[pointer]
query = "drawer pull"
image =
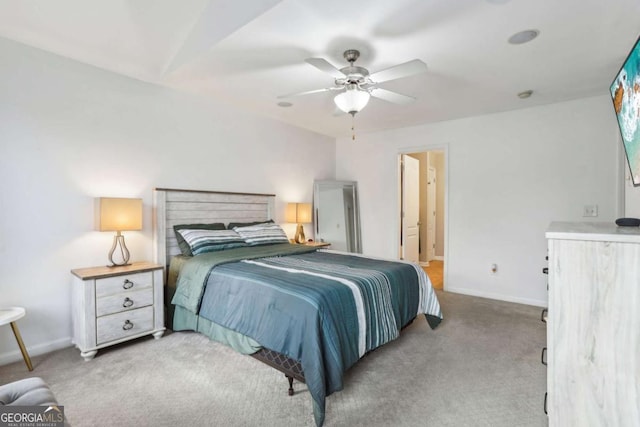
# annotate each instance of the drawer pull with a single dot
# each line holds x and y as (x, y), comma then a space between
(545, 270)
(128, 284)
(543, 315)
(545, 403)
(128, 302)
(127, 325)
(543, 356)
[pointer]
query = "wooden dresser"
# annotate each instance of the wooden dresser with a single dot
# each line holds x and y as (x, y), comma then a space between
(593, 325)
(116, 304)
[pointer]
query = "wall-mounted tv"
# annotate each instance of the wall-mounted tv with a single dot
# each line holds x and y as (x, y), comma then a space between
(625, 92)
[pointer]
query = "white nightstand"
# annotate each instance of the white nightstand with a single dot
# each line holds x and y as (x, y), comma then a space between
(115, 304)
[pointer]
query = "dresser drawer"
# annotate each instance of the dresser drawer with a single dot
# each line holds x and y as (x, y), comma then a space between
(118, 284)
(126, 300)
(121, 325)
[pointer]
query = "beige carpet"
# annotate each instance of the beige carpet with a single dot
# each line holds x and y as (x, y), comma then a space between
(480, 367)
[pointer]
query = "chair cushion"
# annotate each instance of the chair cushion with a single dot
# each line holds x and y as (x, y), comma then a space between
(27, 392)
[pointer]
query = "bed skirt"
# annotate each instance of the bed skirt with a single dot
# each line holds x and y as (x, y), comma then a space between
(185, 320)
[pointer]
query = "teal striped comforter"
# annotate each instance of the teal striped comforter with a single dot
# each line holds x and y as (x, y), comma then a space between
(325, 309)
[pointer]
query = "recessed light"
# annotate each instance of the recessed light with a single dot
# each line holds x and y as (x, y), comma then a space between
(284, 104)
(526, 94)
(523, 36)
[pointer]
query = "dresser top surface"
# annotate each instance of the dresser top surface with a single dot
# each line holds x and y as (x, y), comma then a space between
(593, 231)
(101, 272)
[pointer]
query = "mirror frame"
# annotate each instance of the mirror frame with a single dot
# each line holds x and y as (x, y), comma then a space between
(317, 185)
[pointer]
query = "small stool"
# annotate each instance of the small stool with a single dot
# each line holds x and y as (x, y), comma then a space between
(10, 315)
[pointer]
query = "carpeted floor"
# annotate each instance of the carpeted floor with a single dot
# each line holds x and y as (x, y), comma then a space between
(480, 367)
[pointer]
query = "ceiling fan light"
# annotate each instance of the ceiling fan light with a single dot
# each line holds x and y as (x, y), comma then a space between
(352, 101)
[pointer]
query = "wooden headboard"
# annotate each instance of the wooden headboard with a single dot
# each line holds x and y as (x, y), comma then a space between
(172, 207)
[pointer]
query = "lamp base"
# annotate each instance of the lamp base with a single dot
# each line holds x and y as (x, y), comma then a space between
(299, 237)
(117, 265)
(118, 240)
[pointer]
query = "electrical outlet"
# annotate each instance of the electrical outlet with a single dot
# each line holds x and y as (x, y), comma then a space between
(590, 211)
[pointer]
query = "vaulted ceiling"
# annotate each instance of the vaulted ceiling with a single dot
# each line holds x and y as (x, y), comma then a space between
(249, 52)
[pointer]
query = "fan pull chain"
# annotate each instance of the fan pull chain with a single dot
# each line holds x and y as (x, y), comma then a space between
(353, 127)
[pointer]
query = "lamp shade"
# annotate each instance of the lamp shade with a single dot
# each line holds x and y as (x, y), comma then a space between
(298, 212)
(116, 214)
(304, 212)
(352, 100)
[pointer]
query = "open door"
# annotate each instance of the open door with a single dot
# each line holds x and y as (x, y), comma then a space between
(431, 213)
(410, 215)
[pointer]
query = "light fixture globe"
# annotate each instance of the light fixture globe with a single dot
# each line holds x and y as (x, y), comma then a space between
(352, 100)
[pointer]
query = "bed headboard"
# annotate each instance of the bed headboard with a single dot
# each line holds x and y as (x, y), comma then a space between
(172, 207)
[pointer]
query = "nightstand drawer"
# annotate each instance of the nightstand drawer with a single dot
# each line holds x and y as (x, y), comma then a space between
(127, 300)
(117, 284)
(121, 325)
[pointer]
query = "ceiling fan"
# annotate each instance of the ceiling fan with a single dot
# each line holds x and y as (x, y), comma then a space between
(356, 85)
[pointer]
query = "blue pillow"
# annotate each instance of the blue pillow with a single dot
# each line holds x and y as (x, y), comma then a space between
(184, 246)
(233, 225)
(262, 234)
(202, 241)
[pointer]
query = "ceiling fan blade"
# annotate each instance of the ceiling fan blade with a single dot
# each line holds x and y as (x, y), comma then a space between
(308, 92)
(323, 65)
(400, 71)
(387, 95)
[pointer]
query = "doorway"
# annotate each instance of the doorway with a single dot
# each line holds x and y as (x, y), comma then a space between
(422, 210)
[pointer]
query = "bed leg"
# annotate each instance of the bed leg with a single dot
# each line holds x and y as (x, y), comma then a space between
(290, 384)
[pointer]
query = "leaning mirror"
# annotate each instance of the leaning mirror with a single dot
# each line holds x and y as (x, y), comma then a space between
(336, 215)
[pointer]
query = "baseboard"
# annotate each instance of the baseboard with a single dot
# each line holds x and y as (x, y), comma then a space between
(438, 258)
(34, 350)
(424, 263)
(499, 297)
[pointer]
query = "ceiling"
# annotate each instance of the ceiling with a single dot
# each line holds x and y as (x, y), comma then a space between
(248, 52)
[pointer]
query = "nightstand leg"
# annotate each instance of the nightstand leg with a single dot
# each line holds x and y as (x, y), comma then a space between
(158, 335)
(88, 355)
(23, 349)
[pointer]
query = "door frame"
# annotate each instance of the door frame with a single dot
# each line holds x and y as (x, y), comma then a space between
(420, 149)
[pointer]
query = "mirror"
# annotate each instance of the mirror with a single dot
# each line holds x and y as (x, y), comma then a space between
(336, 214)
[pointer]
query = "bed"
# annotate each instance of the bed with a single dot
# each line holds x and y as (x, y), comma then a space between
(309, 313)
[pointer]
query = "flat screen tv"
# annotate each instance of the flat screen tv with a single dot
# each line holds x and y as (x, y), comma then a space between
(625, 92)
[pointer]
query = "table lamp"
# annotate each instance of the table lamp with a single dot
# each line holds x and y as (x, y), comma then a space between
(299, 213)
(117, 214)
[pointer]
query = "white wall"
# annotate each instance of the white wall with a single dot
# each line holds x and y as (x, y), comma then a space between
(71, 132)
(632, 198)
(631, 193)
(509, 175)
